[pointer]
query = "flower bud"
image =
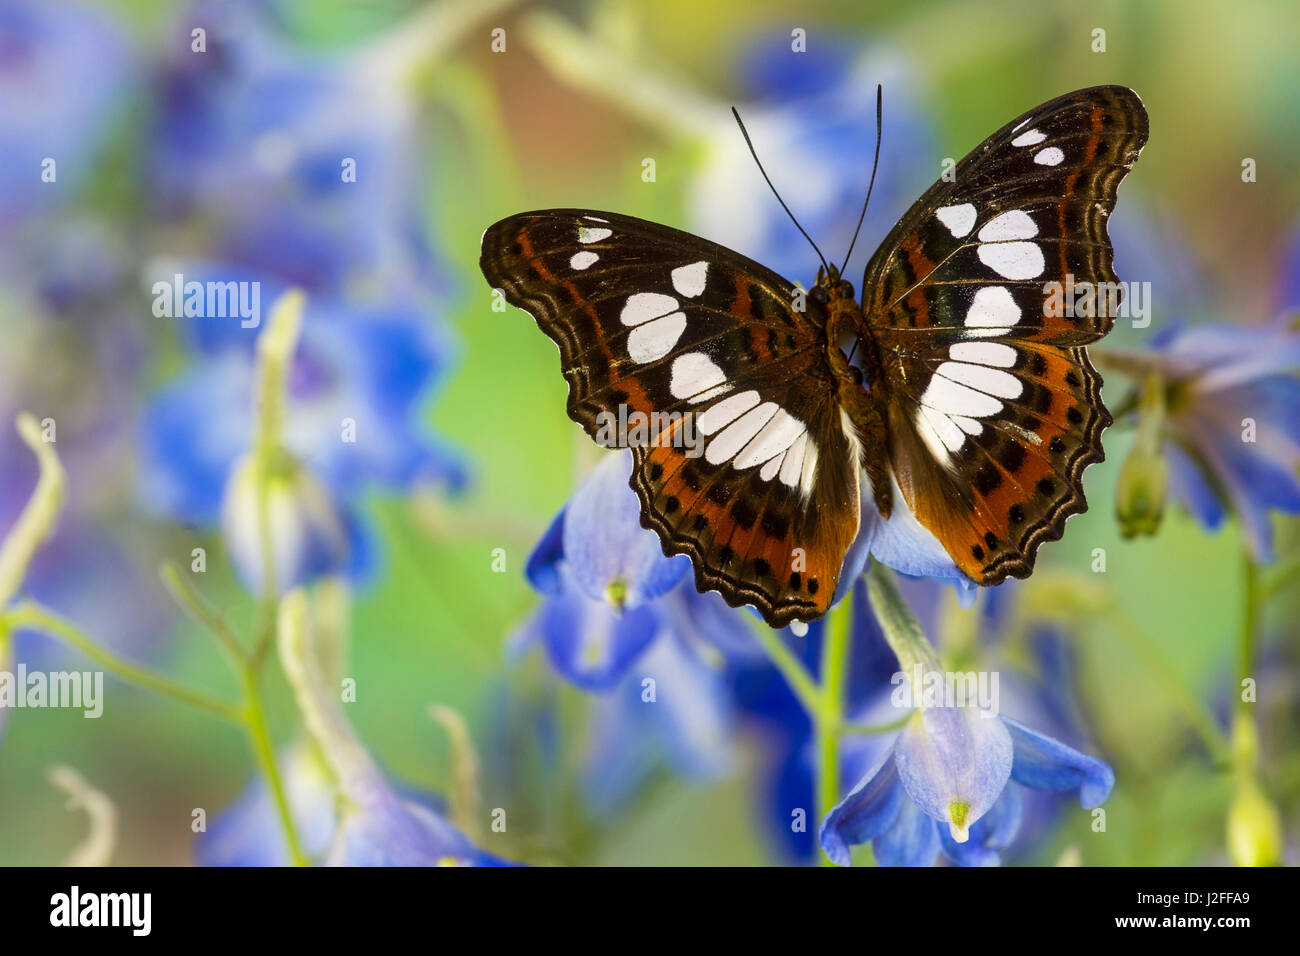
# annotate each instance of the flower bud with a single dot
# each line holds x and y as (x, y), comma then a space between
(1254, 827)
(1140, 500)
(307, 534)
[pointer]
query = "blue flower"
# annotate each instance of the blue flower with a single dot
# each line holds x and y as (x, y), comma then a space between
(358, 385)
(62, 67)
(1231, 435)
(603, 577)
(369, 824)
(813, 123)
(671, 712)
(951, 782)
(299, 164)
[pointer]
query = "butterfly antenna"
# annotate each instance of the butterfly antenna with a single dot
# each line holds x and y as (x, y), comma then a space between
(874, 163)
(748, 142)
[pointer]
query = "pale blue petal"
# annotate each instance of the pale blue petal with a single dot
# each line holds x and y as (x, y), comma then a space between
(913, 840)
(1044, 763)
(954, 755)
(589, 642)
(604, 542)
(867, 812)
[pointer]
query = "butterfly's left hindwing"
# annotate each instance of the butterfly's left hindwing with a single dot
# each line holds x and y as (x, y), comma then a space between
(993, 408)
(747, 465)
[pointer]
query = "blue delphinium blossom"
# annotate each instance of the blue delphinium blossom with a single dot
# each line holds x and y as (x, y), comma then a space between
(1037, 683)
(671, 712)
(950, 782)
(300, 164)
(371, 824)
(62, 68)
(813, 123)
(602, 576)
(357, 386)
(1230, 432)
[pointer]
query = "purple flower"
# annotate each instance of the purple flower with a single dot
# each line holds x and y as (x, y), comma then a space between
(671, 712)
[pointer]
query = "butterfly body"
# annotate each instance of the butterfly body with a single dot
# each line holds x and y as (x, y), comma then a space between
(968, 399)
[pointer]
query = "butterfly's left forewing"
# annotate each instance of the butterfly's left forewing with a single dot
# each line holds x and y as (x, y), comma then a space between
(993, 408)
(748, 465)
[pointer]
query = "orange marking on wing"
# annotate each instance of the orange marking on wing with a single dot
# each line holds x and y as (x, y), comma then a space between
(742, 304)
(534, 260)
(921, 267)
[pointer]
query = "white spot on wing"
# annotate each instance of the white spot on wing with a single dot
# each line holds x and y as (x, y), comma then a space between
(588, 234)
(1031, 138)
(1049, 157)
(735, 436)
(1013, 260)
(960, 220)
(690, 280)
(990, 381)
(775, 437)
(644, 306)
(939, 433)
(693, 373)
(1015, 224)
(727, 410)
(792, 464)
(951, 398)
(993, 307)
(985, 353)
(808, 473)
(772, 467)
(653, 340)
(581, 260)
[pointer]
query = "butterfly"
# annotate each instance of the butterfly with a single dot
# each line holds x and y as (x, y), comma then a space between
(972, 397)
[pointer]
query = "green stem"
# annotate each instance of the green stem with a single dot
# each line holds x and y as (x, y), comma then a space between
(29, 614)
(259, 739)
(189, 600)
(830, 719)
(37, 520)
(903, 632)
(823, 704)
(873, 729)
(1249, 624)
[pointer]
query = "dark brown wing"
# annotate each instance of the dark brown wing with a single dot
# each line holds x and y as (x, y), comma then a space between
(994, 409)
(747, 465)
